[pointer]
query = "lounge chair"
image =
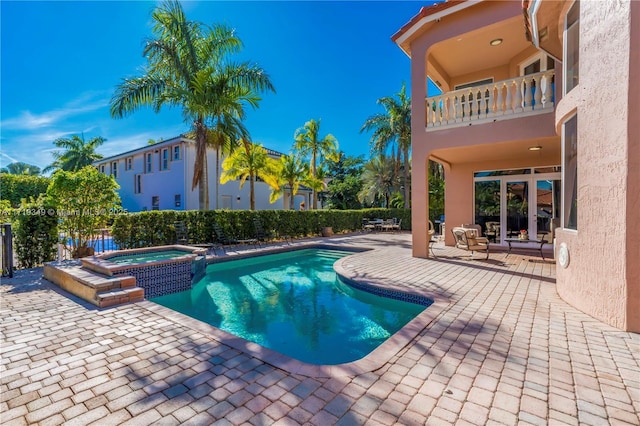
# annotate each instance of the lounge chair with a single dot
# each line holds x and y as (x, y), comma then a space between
(225, 240)
(182, 235)
(467, 239)
(261, 234)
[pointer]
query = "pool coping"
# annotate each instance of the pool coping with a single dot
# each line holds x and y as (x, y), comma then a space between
(372, 361)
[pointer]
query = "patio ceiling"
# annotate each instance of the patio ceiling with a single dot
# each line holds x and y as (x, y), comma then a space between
(472, 51)
(516, 151)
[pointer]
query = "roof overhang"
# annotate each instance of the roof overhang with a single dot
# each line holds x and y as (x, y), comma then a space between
(426, 15)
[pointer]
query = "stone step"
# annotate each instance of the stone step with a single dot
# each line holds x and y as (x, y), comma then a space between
(118, 297)
(94, 287)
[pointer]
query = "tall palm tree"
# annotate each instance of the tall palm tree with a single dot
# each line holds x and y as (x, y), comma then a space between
(188, 66)
(78, 153)
(379, 180)
(308, 142)
(393, 127)
(248, 161)
(20, 168)
(292, 171)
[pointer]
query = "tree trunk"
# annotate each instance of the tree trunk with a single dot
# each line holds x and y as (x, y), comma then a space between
(200, 172)
(252, 195)
(315, 193)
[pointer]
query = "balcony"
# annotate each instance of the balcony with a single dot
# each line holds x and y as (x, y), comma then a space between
(501, 100)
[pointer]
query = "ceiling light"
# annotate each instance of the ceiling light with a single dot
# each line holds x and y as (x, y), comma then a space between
(495, 42)
(535, 148)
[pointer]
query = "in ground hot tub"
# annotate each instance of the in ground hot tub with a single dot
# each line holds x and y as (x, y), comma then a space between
(159, 270)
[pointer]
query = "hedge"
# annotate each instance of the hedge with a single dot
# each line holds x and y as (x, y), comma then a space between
(154, 228)
(14, 188)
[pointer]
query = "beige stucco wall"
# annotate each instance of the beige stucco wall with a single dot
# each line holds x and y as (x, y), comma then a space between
(602, 278)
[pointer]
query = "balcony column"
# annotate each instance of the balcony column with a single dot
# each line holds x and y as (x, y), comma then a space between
(420, 152)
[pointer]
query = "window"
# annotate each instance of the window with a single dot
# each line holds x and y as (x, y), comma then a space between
(178, 200)
(101, 168)
(137, 184)
(176, 152)
(148, 167)
(164, 163)
(572, 47)
(114, 169)
(128, 163)
(155, 202)
(570, 172)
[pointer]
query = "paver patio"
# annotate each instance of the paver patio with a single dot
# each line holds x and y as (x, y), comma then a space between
(504, 350)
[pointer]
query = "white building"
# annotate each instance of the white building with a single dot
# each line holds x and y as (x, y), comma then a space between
(158, 177)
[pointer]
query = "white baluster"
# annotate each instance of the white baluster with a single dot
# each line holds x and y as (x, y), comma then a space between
(438, 111)
(508, 106)
(527, 91)
(519, 99)
(445, 109)
(427, 110)
(458, 109)
(544, 89)
(492, 101)
(537, 97)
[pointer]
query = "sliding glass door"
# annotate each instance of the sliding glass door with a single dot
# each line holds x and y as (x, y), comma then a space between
(511, 202)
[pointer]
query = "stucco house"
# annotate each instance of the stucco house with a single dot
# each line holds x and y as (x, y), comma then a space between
(537, 130)
(158, 177)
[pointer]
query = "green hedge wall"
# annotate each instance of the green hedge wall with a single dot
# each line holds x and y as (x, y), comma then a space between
(154, 228)
(13, 188)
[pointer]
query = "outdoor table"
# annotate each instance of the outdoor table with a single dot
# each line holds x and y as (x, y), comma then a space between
(541, 243)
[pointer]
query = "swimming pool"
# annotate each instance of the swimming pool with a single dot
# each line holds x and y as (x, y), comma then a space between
(295, 304)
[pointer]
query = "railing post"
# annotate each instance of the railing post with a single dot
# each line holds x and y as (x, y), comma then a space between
(7, 250)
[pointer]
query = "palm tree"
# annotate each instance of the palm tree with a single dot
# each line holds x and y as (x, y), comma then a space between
(77, 155)
(20, 168)
(308, 142)
(248, 161)
(393, 127)
(188, 66)
(291, 172)
(378, 180)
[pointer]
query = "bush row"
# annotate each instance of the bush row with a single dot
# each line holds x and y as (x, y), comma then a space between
(153, 228)
(18, 187)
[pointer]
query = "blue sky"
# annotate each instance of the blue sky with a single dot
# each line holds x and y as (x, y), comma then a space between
(61, 62)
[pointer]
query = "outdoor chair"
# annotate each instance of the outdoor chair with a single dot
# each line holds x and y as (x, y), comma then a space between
(182, 235)
(478, 232)
(467, 239)
(224, 240)
(261, 234)
(493, 231)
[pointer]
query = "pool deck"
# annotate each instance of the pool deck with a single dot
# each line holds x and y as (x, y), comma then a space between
(502, 349)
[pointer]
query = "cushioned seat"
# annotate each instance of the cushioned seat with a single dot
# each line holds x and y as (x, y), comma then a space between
(468, 239)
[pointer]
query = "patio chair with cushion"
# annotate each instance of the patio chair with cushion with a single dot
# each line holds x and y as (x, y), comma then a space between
(467, 239)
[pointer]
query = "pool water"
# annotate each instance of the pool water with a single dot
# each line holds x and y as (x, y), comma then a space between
(295, 304)
(137, 258)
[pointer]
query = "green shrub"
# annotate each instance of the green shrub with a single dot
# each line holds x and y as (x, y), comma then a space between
(154, 228)
(36, 234)
(85, 200)
(15, 188)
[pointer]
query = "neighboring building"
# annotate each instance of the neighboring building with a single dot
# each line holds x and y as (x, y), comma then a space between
(158, 177)
(536, 126)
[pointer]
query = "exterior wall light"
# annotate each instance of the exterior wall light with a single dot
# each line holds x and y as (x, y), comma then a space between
(495, 42)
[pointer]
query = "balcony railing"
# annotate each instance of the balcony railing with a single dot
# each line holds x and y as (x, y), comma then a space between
(512, 98)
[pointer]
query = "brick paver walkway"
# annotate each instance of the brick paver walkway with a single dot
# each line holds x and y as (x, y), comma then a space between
(505, 350)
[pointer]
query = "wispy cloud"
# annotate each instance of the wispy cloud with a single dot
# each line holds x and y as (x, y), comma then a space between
(28, 120)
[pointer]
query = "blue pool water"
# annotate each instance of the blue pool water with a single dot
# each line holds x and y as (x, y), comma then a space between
(295, 304)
